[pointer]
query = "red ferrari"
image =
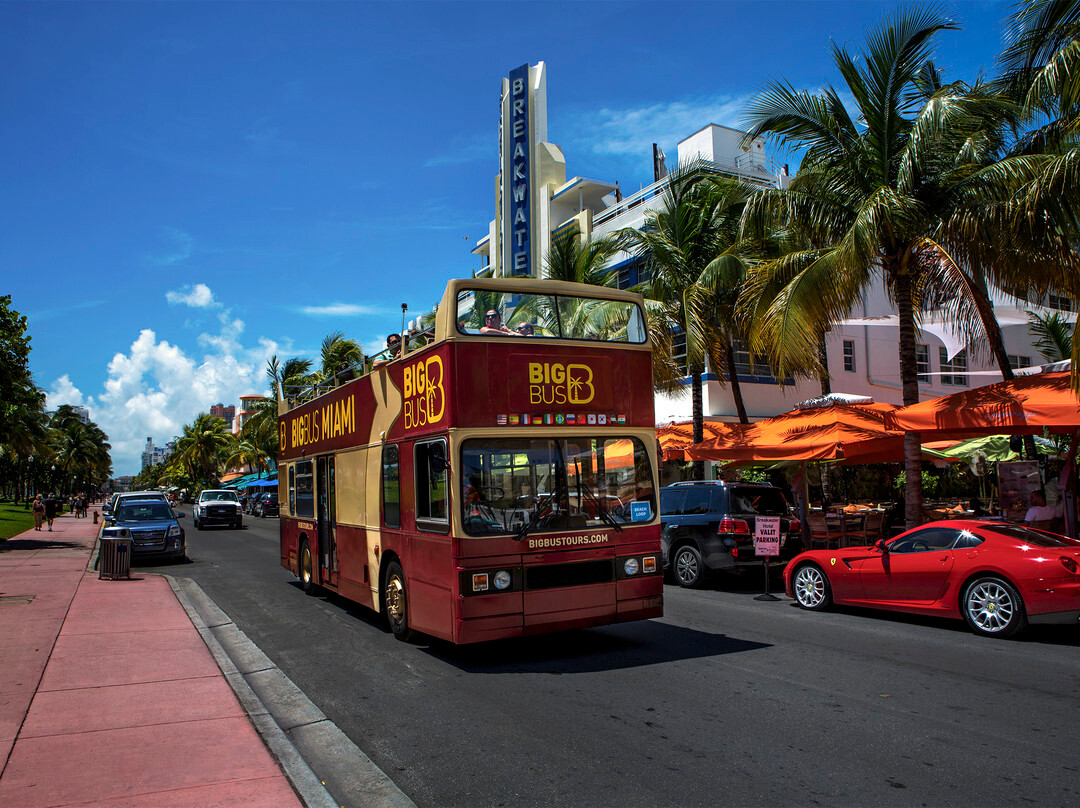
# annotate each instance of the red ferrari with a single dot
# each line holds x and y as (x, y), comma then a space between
(996, 576)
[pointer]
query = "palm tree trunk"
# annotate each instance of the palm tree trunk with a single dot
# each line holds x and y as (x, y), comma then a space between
(913, 510)
(823, 357)
(733, 380)
(997, 343)
(698, 417)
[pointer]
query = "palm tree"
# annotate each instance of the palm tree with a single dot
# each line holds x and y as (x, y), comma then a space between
(294, 373)
(693, 256)
(339, 354)
(578, 260)
(200, 447)
(1053, 334)
(897, 198)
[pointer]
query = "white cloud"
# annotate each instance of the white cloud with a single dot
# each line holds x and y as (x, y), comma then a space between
(198, 296)
(63, 392)
(633, 130)
(339, 310)
(155, 388)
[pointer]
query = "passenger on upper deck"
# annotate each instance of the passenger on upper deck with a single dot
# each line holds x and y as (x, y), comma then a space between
(525, 329)
(494, 326)
(393, 343)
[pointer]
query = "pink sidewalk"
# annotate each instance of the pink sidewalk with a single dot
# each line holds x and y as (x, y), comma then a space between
(109, 696)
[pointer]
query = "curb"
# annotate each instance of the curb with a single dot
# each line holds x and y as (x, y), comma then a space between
(297, 733)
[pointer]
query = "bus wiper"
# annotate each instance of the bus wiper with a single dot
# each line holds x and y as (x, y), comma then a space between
(605, 517)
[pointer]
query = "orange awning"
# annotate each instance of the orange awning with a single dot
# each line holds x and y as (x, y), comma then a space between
(1021, 406)
(675, 438)
(844, 432)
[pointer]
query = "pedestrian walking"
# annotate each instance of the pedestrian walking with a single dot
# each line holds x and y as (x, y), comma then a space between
(51, 504)
(39, 512)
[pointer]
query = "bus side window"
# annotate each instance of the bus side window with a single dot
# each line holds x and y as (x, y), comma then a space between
(292, 490)
(430, 489)
(305, 489)
(391, 489)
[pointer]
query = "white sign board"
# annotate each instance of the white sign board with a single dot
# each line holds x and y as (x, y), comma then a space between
(767, 535)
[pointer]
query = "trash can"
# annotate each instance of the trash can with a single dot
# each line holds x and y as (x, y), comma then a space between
(114, 558)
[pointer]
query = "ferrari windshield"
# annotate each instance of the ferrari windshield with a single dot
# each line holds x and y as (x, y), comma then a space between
(519, 485)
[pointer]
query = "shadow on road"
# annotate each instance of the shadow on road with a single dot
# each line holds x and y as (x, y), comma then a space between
(589, 650)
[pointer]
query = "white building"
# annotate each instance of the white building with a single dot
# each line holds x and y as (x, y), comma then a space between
(535, 203)
(152, 455)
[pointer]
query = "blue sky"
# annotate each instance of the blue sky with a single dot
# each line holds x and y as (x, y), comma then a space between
(192, 187)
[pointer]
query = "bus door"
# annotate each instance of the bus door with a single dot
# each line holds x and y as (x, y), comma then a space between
(326, 513)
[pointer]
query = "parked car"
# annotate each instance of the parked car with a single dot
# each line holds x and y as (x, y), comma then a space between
(153, 526)
(266, 505)
(996, 576)
(709, 526)
(218, 507)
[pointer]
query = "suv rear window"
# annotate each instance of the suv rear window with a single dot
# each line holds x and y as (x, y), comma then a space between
(689, 500)
(758, 501)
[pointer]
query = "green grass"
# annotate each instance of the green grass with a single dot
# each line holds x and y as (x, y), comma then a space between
(14, 519)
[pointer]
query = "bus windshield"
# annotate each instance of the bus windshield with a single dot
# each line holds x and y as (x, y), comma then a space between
(520, 485)
(489, 313)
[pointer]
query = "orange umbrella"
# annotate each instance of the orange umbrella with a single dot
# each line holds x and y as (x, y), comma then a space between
(1021, 406)
(675, 438)
(854, 433)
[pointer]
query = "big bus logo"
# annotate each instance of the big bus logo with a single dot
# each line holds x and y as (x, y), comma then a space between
(425, 397)
(555, 383)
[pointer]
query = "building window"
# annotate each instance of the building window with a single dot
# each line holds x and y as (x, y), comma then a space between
(952, 372)
(678, 352)
(849, 355)
(1017, 362)
(757, 370)
(1059, 303)
(922, 363)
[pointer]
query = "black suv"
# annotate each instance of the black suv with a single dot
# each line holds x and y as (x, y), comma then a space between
(710, 526)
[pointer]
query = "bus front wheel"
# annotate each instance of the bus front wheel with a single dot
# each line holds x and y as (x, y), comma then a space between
(306, 571)
(397, 610)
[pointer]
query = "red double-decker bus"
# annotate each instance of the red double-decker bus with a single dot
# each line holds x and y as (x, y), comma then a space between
(490, 482)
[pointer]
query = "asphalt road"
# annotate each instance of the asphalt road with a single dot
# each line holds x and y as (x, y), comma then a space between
(725, 701)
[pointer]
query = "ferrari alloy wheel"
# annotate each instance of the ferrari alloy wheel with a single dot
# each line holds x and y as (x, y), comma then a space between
(811, 588)
(689, 567)
(397, 610)
(992, 607)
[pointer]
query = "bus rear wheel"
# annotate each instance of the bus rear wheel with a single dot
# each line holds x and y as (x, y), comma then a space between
(305, 572)
(394, 595)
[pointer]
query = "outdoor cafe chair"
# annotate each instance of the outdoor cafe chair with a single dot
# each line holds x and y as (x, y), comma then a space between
(869, 532)
(819, 531)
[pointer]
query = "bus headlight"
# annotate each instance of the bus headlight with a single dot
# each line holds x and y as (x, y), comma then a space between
(631, 566)
(502, 579)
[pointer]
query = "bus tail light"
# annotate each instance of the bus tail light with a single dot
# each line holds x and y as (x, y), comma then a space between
(733, 526)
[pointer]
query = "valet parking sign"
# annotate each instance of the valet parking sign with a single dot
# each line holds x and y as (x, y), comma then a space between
(767, 535)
